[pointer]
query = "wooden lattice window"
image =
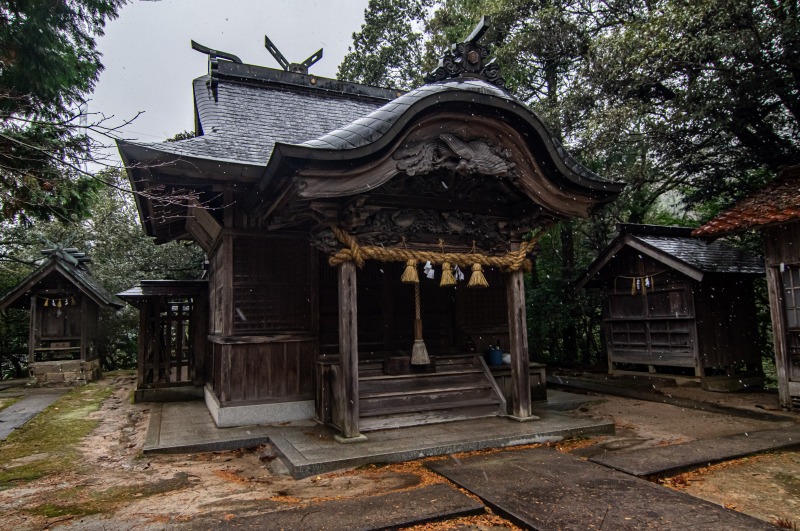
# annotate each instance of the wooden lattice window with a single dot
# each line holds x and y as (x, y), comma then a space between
(272, 285)
(790, 277)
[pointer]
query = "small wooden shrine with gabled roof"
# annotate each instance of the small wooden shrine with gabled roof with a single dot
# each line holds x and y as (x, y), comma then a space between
(672, 301)
(346, 226)
(775, 212)
(64, 300)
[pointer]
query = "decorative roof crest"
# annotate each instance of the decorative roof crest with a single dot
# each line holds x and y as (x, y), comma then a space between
(468, 59)
(297, 68)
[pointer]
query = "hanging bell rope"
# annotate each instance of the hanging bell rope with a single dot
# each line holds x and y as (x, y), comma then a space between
(512, 261)
(419, 353)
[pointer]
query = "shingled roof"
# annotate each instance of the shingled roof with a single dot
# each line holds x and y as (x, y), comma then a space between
(676, 248)
(778, 202)
(60, 262)
(243, 110)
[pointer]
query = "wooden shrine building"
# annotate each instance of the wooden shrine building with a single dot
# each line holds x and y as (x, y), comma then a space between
(64, 302)
(172, 343)
(674, 303)
(775, 212)
(313, 199)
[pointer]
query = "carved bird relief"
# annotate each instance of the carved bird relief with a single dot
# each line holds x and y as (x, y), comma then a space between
(449, 151)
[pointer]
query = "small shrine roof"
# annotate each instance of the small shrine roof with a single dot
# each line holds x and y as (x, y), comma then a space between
(676, 248)
(61, 262)
(778, 202)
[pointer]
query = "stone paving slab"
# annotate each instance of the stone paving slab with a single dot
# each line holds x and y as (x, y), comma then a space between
(308, 448)
(313, 451)
(186, 427)
(628, 391)
(544, 489)
(648, 461)
(385, 511)
(18, 413)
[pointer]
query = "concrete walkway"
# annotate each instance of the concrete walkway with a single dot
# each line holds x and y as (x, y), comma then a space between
(543, 489)
(661, 459)
(32, 403)
(309, 449)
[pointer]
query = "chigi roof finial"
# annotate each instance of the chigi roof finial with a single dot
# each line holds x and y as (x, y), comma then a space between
(468, 58)
(297, 68)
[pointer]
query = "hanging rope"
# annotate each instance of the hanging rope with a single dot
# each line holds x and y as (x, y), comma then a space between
(512, 261)
(417, 305)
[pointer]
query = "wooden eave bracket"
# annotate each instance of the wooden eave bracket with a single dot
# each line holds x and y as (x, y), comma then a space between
(202, 226)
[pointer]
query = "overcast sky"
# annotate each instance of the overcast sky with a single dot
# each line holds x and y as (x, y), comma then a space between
(149, 64)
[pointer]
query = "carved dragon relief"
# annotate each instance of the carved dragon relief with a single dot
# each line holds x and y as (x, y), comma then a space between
(447, 151)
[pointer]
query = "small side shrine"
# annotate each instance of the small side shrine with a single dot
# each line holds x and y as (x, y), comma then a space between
(774, 211)
(173, 325)
(64, 302)
(674, 304)
(364, 245)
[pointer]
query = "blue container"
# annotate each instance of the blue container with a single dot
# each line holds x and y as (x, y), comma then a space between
(495, 356)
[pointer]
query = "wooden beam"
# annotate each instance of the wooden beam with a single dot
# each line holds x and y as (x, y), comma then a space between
(518, 344)
(779, 335)
(348, 350)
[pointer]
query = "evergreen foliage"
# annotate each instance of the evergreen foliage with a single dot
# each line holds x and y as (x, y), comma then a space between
(48, 64)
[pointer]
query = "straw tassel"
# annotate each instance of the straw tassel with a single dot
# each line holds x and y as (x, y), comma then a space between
(477, 280)
(447, 276)
(410, 275)
(46, 303)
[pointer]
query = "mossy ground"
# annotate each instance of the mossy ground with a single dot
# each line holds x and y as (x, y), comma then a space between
(82, 501)
(47, 444)
(5, 402)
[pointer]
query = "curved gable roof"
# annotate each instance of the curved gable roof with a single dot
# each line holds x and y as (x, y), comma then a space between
(382, 128)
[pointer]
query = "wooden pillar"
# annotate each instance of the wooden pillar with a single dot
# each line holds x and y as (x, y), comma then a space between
(779, 334)
(348, 352)
(518, 344)
(33, 334)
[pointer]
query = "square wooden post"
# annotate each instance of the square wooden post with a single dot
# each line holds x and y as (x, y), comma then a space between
(348, 352)
(518, 344)
(33, 332)
(775, 290)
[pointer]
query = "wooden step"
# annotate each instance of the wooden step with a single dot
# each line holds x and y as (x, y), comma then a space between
(432, 400)
(436, 406)
(388, 422)
(429, 375)
(397, 384)
(455, 386)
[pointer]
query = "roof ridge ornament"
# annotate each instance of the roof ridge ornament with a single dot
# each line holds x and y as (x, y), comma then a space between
(296, 68)
(213, 63)
(468, 59)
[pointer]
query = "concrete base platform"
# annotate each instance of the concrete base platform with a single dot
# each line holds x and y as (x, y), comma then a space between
(385, 511)
(309, 449)
(248, 415)
(544, 489)
(661, 459)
